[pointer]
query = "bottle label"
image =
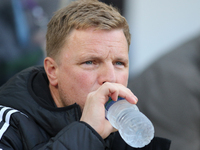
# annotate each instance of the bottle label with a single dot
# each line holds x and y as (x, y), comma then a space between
(110, 102)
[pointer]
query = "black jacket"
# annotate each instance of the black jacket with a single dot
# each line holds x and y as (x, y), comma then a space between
(31, 121)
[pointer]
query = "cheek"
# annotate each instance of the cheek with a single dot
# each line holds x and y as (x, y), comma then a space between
(86, 81)
(123, 79)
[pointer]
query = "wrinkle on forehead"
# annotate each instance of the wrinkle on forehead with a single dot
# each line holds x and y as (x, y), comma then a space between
(97, 42)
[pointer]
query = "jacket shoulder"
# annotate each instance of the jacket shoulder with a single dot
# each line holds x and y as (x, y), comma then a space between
(16, 130)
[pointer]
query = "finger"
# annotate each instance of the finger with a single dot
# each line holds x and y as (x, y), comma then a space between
(114, 90)
(122, 91)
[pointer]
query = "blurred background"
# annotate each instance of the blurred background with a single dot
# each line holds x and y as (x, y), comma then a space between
(158, 27)
(165, 67)
(22, 34)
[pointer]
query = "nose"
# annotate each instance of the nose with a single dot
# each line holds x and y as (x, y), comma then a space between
(107, 74)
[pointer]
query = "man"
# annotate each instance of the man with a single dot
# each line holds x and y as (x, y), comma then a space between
(61, 106)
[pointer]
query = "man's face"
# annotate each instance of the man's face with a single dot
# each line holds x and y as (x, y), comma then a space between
(89, 59)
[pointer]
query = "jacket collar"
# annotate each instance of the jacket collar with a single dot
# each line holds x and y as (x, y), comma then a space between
(18, 93)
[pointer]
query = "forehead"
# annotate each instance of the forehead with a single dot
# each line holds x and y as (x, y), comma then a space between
(95, 43)
(98, 38)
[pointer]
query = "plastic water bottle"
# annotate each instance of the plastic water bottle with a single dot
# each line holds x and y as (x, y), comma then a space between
(134, 127)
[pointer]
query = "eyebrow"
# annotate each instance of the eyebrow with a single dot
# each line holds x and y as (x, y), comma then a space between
(97, 57)
(93, 54)
(122, 59)
(92, 57)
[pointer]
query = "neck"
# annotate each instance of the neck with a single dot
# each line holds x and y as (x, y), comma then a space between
(55, 95)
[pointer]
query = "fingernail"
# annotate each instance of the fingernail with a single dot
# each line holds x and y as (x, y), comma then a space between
(136, 99)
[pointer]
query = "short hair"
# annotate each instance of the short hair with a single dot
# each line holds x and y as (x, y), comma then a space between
(82, 15)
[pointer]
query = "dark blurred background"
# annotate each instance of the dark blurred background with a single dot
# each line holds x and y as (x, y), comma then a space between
(22, 34)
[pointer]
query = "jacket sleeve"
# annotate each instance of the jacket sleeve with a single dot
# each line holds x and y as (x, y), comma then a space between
(18, 132)
(76, 136)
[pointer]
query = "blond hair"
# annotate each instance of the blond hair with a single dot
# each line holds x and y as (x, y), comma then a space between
(82, 15)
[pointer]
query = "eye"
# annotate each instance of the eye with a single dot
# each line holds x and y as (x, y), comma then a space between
(88, 62)
(119, 63)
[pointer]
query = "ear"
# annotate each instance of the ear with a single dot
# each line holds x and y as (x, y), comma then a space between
(51, 67)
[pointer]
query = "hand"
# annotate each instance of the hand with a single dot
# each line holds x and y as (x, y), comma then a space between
(94, 109)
